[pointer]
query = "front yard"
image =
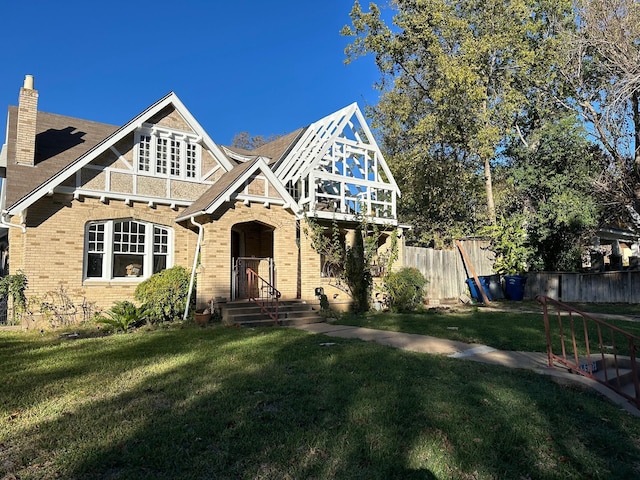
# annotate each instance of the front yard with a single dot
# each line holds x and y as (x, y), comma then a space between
(503, 325)
(275, 403)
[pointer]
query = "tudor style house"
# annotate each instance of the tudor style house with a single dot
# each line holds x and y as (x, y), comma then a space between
(96, 208)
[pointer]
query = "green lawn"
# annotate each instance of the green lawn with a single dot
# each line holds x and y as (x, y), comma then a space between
(510, 330)
(276, 404)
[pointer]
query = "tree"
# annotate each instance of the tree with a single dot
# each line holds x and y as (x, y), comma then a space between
(250, 142)
(602, 68)
(552, 177)
(456, 76)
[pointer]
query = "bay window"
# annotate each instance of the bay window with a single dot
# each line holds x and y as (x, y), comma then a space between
(126, 249)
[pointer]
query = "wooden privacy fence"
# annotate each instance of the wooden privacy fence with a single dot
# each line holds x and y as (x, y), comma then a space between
(601, 287)
(446, 273)
(444, 269)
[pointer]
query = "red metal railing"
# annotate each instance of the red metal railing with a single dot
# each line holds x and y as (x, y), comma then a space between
(265, 295)
(592, 347)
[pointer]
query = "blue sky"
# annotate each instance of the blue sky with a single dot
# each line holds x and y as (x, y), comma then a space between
(265, 67)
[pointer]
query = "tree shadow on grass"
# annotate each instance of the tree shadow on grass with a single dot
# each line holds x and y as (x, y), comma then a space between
(276, 403)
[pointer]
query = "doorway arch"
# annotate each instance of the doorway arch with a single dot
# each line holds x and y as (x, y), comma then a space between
(251, 247)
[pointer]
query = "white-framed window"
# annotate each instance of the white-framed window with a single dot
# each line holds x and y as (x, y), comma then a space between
(167, 153)
(126, 248)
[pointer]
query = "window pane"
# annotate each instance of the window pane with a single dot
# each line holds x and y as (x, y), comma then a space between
(160, 240)
(125, 242)
(94, 265)
(144, 153)
(160, 248)
(162, 155)
(191, 160)
(175, 158)
(128, 265)
(159, 263)
(96, 237)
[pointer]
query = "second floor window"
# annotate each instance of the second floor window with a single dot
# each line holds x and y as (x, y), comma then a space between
(167, 153)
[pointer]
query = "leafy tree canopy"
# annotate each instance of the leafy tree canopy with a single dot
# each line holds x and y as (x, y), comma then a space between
(456, 77)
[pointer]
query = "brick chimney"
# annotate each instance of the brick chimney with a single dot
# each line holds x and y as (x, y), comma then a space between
(27, 113)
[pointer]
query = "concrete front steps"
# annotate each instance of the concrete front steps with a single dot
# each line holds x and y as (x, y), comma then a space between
(606, 372)
(247, 314)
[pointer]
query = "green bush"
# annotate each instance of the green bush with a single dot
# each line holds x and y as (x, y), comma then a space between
(404, 289)
(14, 286)
(122, 316)
(164, 295)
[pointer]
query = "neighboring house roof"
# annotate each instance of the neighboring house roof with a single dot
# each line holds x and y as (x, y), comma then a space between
(70, 165)
(230, 183)
(273, 150)
(277, 149)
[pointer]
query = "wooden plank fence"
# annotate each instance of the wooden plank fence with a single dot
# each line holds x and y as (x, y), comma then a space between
(445, 270)
(446, 273)
(600, 287)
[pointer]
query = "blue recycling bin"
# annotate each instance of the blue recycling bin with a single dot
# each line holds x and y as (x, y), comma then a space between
(473, 288)
(514, 287)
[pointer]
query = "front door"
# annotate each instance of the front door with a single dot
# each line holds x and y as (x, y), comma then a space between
(262, 266)
(251, 247)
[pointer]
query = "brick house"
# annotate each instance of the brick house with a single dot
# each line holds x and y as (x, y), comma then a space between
(96, 208)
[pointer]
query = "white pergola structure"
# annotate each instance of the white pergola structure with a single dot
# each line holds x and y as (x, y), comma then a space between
(336, 170)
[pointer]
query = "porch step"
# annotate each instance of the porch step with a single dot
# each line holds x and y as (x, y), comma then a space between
(606, 372)
(248, 314)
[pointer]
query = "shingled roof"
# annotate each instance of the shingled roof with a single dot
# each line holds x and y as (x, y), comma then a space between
(217, 190)
(274, 150)
(60, 140)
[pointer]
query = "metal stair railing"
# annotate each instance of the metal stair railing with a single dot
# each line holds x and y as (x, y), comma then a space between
(263, 294)
(575, 331)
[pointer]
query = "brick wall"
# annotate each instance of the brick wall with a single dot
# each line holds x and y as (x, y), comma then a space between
(214, 275)
(26, 137)
(51, 253)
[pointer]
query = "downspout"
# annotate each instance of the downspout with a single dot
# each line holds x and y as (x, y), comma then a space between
(3, 210)
(195, 265)
(7, 223)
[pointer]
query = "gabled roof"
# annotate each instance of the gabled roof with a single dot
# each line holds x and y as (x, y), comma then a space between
(70, 161)
(230, 183)
(59, 141)
(315, 141)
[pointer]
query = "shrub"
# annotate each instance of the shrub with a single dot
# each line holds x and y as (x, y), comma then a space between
(164, 295)
(404, 289)
(14, 286)
(122, 316)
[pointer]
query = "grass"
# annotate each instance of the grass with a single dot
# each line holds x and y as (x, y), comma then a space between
(275, 404)
(505, 330)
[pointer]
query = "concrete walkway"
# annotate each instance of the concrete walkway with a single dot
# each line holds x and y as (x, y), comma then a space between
(535, 361)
